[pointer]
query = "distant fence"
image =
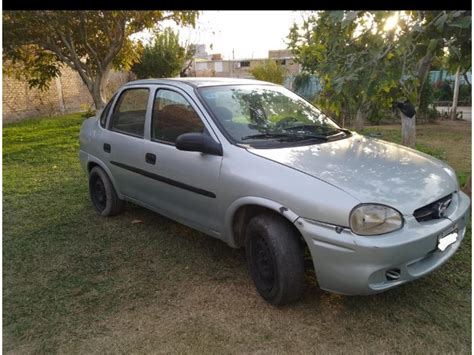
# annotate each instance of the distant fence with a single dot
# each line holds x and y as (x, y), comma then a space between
(443, 75)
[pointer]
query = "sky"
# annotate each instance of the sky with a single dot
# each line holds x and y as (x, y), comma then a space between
(250, 34)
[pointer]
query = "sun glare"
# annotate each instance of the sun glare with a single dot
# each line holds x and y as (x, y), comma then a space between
(391, 22)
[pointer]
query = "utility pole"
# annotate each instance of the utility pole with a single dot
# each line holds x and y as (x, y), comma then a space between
(232, 64)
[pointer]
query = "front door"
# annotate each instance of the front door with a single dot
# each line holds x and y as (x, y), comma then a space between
(184, 184)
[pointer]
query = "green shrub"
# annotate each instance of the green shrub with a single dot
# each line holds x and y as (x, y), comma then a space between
(269, 71)
(88, 110)
(442, 91)
(465, 94)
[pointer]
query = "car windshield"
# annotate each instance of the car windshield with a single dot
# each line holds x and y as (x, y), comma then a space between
(263, 114)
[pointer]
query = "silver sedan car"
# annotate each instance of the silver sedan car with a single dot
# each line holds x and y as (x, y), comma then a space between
(257, 166)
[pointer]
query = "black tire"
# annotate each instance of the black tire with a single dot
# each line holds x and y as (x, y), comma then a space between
(103, 194)
(275, 258)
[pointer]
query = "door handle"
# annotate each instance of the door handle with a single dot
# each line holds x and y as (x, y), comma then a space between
(107, 147)
(150, 158)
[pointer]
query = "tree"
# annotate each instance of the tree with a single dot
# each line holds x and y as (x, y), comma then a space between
(459, 57)
(165, 57)
(37, 43)
(363, 62)
(190, 50)
(269, 71)
(351, 55)
(430, 35)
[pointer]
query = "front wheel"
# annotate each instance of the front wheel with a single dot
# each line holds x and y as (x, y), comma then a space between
(275, 259)
(103, 194)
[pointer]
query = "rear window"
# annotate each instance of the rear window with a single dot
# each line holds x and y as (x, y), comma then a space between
(130, 111)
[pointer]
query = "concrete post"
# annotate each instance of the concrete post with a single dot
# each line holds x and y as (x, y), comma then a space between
(59, 88)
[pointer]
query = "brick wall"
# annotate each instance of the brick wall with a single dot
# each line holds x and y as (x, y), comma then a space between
(65, 94)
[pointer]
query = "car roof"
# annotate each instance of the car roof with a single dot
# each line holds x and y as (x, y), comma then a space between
(198, 81)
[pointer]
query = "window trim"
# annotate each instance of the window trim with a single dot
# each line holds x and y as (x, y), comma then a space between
(191, 103)
(113, 129)
(109, 105)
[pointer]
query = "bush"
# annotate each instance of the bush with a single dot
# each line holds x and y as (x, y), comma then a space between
(269, 71)
(88, 110)
(426, 109)
(443, 93)
(465, 94)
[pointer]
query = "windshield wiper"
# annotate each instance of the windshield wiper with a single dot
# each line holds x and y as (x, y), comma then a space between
(303, 137)
(346, 131)
(326, 133)
(266, 135)
(285, 137)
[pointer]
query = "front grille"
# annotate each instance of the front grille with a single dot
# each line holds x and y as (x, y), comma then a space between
(434, 210)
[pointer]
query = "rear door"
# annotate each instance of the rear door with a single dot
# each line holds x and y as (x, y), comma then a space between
(124, 140)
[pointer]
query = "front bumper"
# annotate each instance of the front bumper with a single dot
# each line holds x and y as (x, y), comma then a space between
(351, 264)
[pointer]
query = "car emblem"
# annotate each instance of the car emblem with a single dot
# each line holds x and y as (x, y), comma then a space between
(441, 207)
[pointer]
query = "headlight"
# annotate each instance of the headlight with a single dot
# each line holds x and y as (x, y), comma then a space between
(371, 219)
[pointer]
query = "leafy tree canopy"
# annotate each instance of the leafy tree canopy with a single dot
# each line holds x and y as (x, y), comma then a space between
(165, 57)
(37, 43)
(368, 59)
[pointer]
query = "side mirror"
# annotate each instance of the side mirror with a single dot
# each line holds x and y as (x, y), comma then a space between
(198, 142)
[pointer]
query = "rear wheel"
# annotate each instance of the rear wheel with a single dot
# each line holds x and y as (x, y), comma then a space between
(103, 194)
(275, 259)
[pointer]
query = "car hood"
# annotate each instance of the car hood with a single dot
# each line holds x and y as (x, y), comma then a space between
(371, 170)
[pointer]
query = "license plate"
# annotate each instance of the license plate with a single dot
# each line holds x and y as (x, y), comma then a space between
(446, 239)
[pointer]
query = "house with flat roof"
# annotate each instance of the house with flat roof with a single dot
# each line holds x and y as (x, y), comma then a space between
(241, 68)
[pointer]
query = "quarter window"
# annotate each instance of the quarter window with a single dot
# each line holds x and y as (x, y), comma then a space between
(129, 112)
(172, 116)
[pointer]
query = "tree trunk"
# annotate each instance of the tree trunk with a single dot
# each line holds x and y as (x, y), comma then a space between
(97, 93)
(454, 108)
(424, 66)
(408, 130)
(359, 120)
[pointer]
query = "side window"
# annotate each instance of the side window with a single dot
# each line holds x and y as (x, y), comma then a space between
(105, 113)
(129, 112)
(172, 116)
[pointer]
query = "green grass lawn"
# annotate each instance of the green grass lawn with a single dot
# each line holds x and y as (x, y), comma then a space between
(138, 282)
